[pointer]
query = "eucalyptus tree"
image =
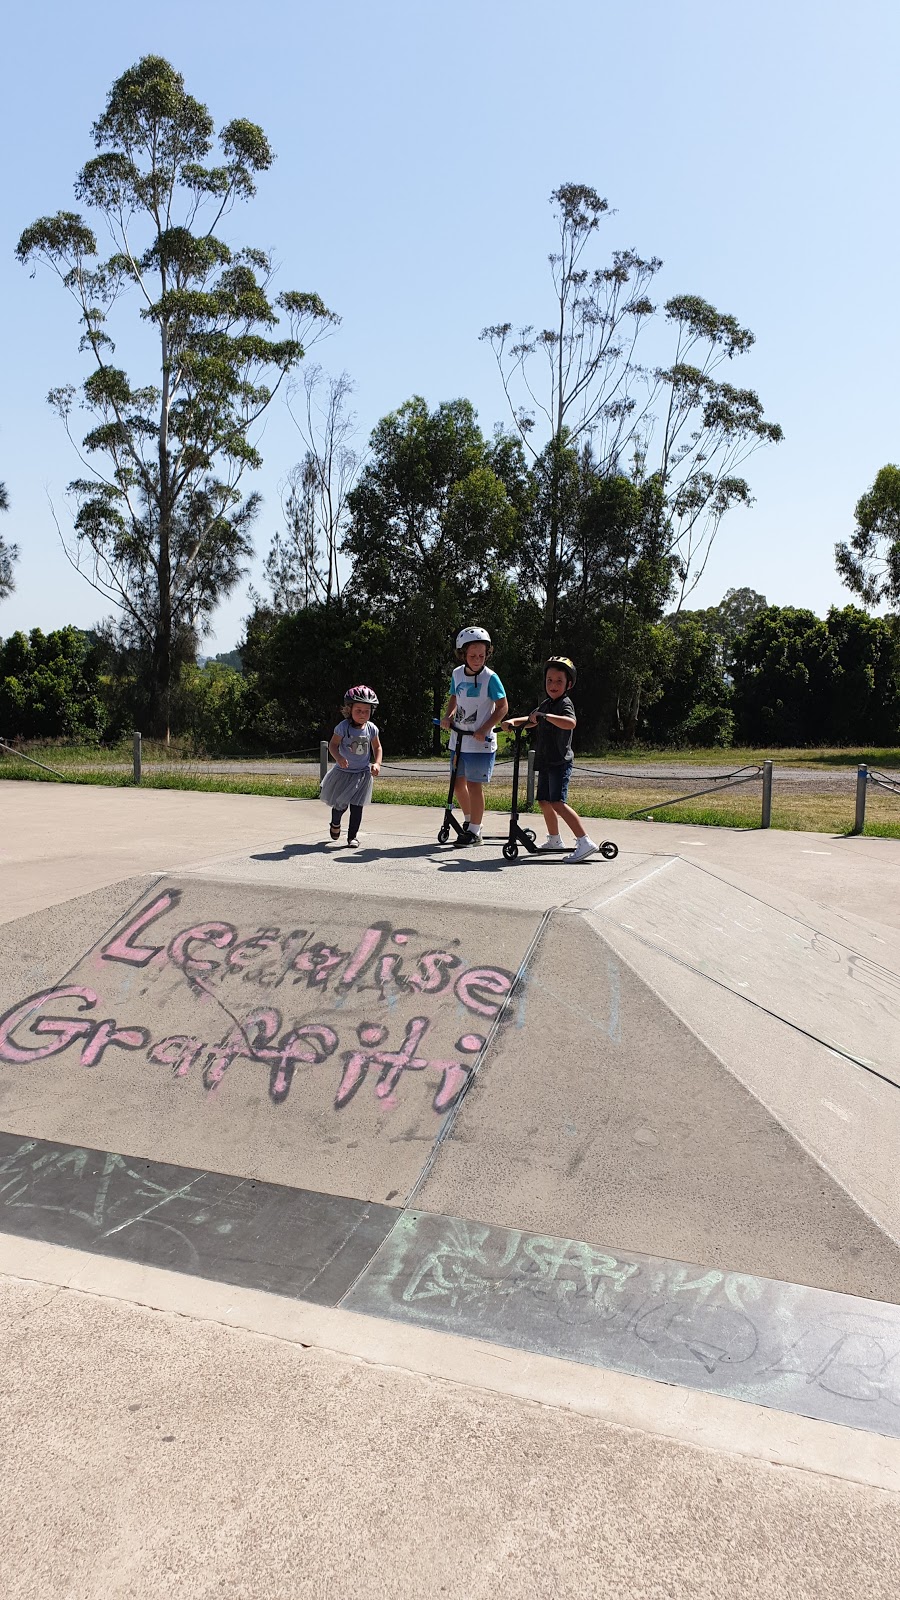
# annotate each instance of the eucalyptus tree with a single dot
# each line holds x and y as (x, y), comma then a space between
(869, 563)
(8, 553)
(578, 379)
(302, 567)
(161, 518)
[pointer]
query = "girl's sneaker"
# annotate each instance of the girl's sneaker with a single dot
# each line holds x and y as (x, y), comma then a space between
(552, 842)
(584, 848)
(353, 843)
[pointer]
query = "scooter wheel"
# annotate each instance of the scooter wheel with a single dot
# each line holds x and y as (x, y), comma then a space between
(609, 850)
(530, 834)
(444, 835)
(510, 851)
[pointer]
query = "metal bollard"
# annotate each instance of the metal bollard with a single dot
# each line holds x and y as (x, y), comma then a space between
(766, 819)
(323, 758)
(862, 779)
(529, 784)
(136, 756)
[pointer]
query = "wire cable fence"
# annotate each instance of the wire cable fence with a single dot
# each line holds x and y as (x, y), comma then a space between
(430, 771)
(728, 780)
(21, 756)
(203, 769)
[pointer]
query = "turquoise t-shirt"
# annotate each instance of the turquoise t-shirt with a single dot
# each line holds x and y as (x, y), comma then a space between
(476, 698)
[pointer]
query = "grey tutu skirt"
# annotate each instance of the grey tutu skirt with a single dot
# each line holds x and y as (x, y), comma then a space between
(342, 787)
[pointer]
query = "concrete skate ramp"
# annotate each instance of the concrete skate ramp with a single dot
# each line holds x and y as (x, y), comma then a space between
(602, 1117)
(313, 1044)
(300, 1040)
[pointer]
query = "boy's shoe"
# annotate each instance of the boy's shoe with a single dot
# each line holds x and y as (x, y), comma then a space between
(552, 842)
(467, 837)
(584, 848)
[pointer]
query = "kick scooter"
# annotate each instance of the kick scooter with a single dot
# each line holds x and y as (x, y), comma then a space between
(517, 835)
(525, 836)
(450, 823)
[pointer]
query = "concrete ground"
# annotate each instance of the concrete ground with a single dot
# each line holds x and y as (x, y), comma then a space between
(58, 841)
(163, 1436)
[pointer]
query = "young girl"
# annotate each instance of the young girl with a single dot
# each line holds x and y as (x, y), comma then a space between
(356, 748)
(477, 704)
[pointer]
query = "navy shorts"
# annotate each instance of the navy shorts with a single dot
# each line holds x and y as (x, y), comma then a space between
(553, 782)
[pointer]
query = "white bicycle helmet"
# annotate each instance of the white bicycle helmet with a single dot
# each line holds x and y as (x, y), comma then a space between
(472, 636)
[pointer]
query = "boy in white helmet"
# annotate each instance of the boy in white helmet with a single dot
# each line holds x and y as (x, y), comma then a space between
(477, 704)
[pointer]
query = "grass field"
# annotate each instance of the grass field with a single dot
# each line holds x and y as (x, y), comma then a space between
(804, 807)
(724, 759)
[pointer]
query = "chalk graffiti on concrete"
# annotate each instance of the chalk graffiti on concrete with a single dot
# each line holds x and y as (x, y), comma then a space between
(724, 1331)
(700, 1316)
(269, 958)
(384, 968)
(236, 1230)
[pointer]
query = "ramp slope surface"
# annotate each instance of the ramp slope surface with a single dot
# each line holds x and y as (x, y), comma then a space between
(605, 1118)
(321, 1094)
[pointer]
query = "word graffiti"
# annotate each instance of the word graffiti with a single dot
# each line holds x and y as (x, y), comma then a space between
(255, 1039)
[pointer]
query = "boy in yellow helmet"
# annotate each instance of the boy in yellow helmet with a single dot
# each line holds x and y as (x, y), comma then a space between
(554, 720)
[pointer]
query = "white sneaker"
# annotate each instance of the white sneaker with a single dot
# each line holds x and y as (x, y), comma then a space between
(552, 842)
(584, 848)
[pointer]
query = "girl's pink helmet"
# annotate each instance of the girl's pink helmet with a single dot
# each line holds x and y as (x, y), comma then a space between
(361, 695)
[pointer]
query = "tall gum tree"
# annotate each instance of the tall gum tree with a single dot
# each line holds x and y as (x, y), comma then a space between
(303, 564)
(869, 562)
(8, 553)
(161, 521)
(579, 379)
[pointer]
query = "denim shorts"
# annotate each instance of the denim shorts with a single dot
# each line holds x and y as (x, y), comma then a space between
(553, 782)
(475, 767)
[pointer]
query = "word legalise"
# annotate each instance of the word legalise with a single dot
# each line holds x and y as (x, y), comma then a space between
(34, 1030)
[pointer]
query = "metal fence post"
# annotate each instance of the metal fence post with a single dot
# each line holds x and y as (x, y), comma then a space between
(136, 756)
(323, 758)
(766, 819)
(529, 785)
(862, 778)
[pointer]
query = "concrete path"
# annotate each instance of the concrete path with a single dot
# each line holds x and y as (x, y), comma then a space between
(273, 1109)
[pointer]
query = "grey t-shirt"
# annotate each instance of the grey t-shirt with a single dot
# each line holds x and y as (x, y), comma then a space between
(356, 743)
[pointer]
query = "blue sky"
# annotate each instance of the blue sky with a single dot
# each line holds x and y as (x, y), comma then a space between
(753, 148)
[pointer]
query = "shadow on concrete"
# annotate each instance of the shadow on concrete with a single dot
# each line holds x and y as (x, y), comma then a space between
(320, 848)
(403, 852)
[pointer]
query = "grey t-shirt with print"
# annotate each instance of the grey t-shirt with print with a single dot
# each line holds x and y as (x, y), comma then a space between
(356, 743)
